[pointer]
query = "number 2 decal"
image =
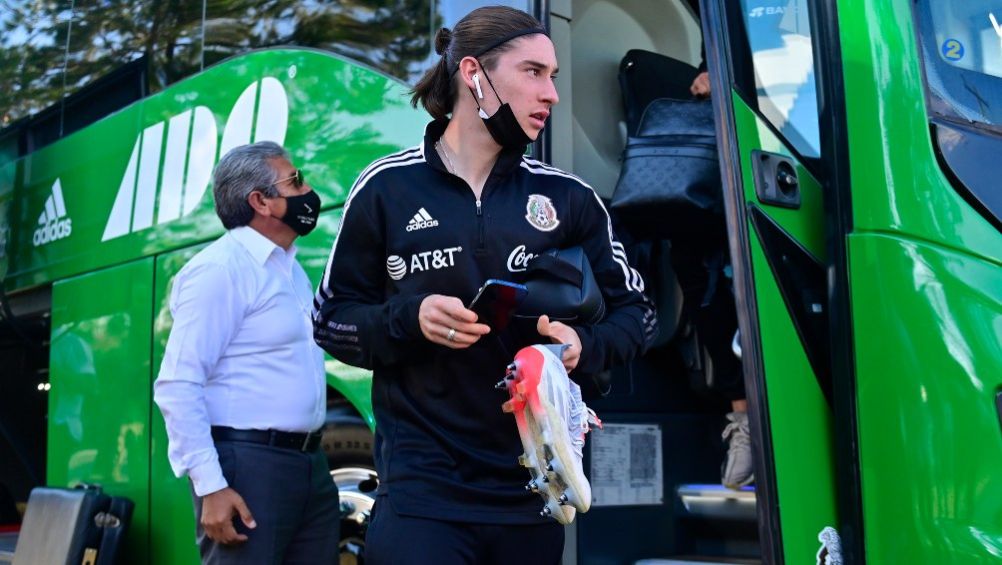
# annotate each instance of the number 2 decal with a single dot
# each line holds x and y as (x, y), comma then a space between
(952, 50)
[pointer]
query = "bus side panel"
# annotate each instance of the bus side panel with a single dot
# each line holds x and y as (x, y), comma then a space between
(138, 182)
(8, 172)
(172, 537)
(928, 368)
(898, 186)
(99, 404)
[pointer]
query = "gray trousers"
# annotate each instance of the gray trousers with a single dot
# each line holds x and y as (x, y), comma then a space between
(293, 500)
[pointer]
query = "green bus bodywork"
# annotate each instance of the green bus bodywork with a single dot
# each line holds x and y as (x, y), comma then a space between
(146, 168)
(107, 215)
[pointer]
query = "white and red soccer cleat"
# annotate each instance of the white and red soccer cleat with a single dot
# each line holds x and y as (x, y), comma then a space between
(552, 422)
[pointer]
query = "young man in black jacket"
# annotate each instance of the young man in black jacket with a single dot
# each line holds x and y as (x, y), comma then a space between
(421, 231)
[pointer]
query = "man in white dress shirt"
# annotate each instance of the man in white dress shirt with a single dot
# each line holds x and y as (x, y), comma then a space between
(242, 386)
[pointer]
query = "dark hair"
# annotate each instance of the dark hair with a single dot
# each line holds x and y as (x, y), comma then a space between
(484, 33)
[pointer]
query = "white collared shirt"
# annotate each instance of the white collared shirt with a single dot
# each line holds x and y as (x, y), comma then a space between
(240, 353)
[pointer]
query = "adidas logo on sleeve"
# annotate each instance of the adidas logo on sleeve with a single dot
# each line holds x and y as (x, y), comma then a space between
(421, 220)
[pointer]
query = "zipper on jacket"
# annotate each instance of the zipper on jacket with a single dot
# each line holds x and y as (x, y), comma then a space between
(481, 236)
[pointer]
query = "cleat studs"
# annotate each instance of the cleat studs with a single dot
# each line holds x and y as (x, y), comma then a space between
(545, 511)
(501, 384)
(563, 499)
(545, 479)
(549, 468)
(532, 486)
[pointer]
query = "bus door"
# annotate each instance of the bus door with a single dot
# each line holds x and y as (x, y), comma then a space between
(99, 402)
(762, 57)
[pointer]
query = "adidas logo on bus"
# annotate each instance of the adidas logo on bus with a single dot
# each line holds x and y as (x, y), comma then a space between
(421, 220)
(175, 157)
(53, 223)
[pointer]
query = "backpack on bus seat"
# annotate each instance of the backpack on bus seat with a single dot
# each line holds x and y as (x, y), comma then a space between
(669, 185)
(81, 526)
(645, 76)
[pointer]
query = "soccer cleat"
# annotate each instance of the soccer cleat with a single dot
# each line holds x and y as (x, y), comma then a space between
(552, 421)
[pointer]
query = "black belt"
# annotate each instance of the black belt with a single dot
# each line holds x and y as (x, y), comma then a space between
(300, 441)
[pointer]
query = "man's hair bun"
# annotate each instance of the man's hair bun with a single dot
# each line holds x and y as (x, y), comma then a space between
(442, 40)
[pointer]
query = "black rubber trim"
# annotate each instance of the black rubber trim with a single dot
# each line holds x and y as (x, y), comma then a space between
(998, 405)
(542, 148)
(803, 284)
(716, 39)
(837, 193)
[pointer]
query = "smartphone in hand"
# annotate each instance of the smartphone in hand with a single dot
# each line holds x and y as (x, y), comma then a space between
(496, 301)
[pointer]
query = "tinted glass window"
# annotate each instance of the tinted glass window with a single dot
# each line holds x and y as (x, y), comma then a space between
(961, 43)
(395, 37)
(776, 40)
(51, 49)
(32, 57)
(173, 40)
(102, 37)
(962, 48)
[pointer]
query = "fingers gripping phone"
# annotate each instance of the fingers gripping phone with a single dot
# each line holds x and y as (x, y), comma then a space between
(496, 301)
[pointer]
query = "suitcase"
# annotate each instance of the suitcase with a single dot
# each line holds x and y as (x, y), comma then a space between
(81, 526)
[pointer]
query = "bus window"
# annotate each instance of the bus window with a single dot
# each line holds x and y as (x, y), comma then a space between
(32, 57)
(49, 50)
(780, 81)
(961, 43)
(99, 42)
(395, 38)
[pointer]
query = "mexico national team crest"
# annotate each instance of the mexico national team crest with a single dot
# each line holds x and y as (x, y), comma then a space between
(541, 213)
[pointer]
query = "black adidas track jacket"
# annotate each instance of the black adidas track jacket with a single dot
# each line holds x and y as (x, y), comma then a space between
(444, 449)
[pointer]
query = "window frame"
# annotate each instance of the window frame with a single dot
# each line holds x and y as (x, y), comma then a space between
(743, 83)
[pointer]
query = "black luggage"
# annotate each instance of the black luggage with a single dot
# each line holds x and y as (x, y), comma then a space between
(81, 526)
(645, 76)
(669, 186)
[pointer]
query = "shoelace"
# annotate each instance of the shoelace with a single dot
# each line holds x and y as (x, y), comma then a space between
(741, 436)
(580, 419)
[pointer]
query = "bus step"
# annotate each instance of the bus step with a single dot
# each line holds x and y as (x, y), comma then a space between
(718, 501)
(8, 541)
(685, 560)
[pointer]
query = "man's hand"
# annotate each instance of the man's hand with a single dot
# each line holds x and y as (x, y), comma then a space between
(562, 333)
(218, 509)
(439, 315)
(701, 85)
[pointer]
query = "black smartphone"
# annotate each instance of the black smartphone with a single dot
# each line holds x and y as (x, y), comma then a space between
(496, 301)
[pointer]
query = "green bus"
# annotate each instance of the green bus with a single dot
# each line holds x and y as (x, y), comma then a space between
(864, 229)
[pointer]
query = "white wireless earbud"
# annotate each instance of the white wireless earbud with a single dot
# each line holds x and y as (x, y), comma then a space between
(476, 83)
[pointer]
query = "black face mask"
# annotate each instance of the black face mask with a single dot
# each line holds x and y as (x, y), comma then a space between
(302, 211)
(503, 125)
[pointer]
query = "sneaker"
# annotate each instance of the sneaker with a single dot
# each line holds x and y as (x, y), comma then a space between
(552, 422)
(738, 470)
